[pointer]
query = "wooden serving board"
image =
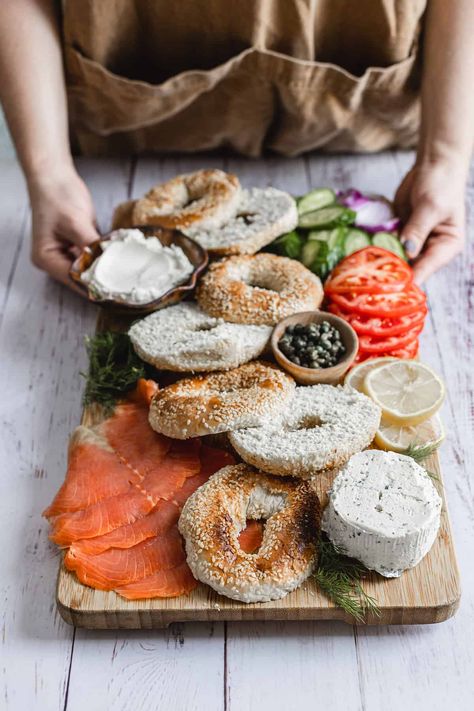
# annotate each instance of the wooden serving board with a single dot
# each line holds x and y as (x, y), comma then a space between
(428, 593)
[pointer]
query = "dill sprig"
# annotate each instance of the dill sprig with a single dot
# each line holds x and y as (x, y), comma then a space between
(114, 368)
(339, 577)
(420, 452)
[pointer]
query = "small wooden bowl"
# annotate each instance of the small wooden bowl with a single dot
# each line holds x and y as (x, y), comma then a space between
(312, 376)
(196, 254)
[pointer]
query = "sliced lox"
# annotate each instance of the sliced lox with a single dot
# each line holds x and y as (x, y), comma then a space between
(170, 473)
(212, 460)
(164, 583)
(94, 473)
(102, 517)
(251, 537)
(130, 435)
(121, 566)
(159, 521)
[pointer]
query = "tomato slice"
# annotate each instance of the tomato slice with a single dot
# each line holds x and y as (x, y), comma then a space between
(407, 353)
(371, 270)
(394, 305)
(370, 344)
(379, 326)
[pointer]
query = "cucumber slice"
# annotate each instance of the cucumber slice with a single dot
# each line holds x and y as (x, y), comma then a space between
(387, 240)
(288, 245)
(310, 252)
(316, 199)
(355, 239)
(327, 217)
(319, 235)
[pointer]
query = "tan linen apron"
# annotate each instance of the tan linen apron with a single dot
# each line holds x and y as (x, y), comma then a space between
(288, 75)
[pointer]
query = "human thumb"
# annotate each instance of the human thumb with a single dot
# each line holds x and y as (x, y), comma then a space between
(422, 221)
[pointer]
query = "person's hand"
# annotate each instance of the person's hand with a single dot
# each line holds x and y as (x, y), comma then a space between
(63, 222)
(430, 202)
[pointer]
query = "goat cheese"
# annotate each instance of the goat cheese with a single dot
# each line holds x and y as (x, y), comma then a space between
(383, 510)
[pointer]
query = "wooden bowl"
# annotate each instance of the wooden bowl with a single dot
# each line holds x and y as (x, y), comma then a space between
(312, 376)
(196, 254)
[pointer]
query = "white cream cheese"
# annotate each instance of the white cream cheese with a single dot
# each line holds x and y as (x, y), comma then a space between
(383, 510)
(136, 269)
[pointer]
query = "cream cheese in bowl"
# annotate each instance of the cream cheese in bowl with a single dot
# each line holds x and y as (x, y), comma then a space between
(135, 269)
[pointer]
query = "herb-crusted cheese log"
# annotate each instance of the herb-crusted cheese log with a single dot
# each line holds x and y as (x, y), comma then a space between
(383, 510)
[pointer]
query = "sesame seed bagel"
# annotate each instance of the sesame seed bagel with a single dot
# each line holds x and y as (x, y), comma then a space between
(262, 215)
(219, 402)
(207, 197)
(216, 513)
(184, 338)
(321, 427)
(258, 289)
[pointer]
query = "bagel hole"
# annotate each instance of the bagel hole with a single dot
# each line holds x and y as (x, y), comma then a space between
(264, 282)
(247, 217)
(250, 537)
(309, 422)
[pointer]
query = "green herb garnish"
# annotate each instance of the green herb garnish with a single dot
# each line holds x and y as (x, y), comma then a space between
(420, 452)
(114, 368)
(339, 577)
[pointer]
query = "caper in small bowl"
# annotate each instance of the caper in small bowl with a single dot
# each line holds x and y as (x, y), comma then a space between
(315, 347)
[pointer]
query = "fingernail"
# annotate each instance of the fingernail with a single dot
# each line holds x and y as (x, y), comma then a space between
(410, 246)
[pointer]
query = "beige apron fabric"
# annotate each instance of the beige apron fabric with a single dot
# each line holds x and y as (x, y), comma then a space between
(288, 75)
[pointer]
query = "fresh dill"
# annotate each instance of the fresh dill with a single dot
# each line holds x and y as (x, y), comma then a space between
(420, 452)
(339, 577)
(114, 368)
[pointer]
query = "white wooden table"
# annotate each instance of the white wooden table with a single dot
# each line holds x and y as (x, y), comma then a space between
(46, 665)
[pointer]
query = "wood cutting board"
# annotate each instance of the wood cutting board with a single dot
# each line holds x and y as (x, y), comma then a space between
(428, 593)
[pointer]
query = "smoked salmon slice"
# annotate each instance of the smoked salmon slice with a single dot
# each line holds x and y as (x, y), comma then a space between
(121, 566)
(182, 461)
(164, 583)
(211, 461)
(250, 538)
(94, 473)
(130, 435)
(161, 519)
(102, 517)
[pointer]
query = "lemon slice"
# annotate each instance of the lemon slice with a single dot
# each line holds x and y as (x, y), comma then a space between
(407, 391)
(356, 376)
(398, 438)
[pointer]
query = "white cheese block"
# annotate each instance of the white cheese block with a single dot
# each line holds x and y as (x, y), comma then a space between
(383, 510)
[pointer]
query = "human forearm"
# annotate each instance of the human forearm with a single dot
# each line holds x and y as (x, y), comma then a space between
(32, 87)
(447, 125)
(430, 199)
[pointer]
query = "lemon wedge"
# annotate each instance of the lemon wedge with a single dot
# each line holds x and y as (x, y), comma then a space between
(397, 438)
(356, 375)
(407, 391)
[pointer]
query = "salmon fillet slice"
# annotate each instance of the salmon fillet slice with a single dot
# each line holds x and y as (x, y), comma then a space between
(211, 460)
(168, 476)
(161, 519)
(94, 473)
(250, 538)
(164, 583)
(121, 566)
(102, 517)
(130, 435)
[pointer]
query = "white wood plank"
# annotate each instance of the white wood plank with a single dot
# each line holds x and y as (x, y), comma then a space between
(14, 213)
(428, 667)
(41, 344)
(277, 665)
(284, 665)
(178, 668)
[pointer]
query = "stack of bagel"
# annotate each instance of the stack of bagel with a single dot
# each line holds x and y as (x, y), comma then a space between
(283, 435)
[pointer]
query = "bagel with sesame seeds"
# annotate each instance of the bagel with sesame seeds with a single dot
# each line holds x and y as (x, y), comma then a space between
(207, 198)
(320, 428)
(221, 401)
(261, 289)
(216, 513)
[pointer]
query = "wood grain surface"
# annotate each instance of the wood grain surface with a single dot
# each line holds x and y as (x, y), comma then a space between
(254, 666)
(428, 593)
